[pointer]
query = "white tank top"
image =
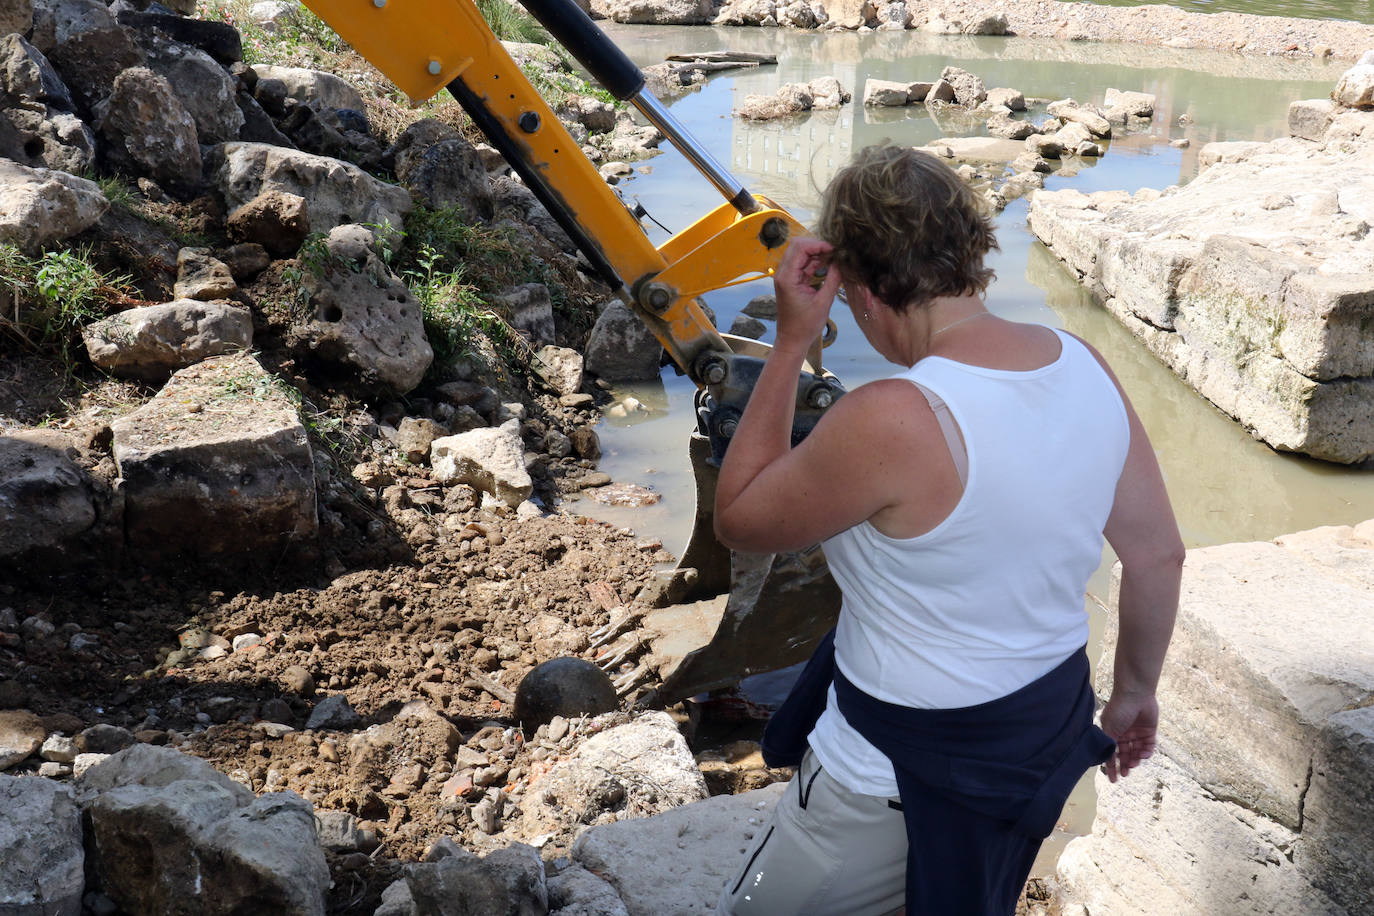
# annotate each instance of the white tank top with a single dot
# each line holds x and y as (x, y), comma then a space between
(992, 597)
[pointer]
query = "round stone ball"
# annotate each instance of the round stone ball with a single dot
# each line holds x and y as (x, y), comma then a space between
(567, 687)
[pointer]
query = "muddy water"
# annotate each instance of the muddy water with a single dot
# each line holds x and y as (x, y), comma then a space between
(1225, 485)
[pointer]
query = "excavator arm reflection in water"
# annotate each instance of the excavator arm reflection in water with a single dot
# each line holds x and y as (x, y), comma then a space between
(772, 608)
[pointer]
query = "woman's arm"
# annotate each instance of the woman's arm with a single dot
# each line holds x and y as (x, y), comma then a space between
(1142, 531)
(772, 497)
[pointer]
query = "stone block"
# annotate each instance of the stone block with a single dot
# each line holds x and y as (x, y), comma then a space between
(40, 207)
(1355, 89)
(1245, 705)
(336, 192)
(529, 309)
(1163, 844)
(676, 863)
(304, 85)
(153, 341)
(45, 497)
(216, 463)
(621, 348)
(885, 93)
(41, 859)
(492, 460)
(1308, 118)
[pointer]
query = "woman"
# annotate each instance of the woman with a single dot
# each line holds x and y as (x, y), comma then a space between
(962, 505)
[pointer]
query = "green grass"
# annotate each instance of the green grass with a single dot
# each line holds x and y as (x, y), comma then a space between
(46, 300)
(510, 23)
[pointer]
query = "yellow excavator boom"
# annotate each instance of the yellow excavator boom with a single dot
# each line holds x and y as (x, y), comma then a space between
(426, 46)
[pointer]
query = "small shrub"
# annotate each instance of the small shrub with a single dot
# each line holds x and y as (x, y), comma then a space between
(50, 298)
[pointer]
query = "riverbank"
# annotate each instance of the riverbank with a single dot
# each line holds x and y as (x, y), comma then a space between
(1170, 27)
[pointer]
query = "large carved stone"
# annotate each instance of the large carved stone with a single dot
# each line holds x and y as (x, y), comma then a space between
(1261, 799)
(216, 463)
(1259, 301)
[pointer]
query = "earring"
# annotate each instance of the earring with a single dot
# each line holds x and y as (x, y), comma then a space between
(866, 315)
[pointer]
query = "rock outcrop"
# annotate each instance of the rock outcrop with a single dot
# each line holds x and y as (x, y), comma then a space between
(1259, 301)
(1258, 800)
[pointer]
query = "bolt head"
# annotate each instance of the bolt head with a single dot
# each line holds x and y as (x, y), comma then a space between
(434, 68)
(379, 3)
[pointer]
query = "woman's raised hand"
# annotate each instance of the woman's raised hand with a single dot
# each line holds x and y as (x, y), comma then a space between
(805, 285)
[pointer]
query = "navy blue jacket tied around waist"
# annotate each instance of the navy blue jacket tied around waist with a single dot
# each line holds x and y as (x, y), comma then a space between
(1013, 760)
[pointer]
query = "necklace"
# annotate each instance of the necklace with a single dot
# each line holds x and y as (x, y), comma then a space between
(955, 324)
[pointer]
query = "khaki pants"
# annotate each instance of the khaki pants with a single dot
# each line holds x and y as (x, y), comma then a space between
(826, 851)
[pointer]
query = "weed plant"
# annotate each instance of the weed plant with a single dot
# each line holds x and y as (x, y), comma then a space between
(48, 299)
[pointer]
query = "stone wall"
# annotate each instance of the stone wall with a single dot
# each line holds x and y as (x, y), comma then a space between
(1261, 797)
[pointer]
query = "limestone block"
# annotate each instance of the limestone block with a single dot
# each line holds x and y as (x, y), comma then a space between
(1163, 844)
(968, 88)
(561, 368)
(492, 460)
(41, 206)
(988, 24)
(1355, 88)
(202, 277)
(276, 220)
(216, 462)
(218, 39)
(1246, 705)
(450, 173)
(529, 308)
(1069, 111)
(202, 84)
(1308, 118)
(886, 94)
(325, 89)
(1012, 99)
(153, 341)
(21, 735)
(41, 859)
(365, 331)
(1338, 831)
(1002, 124)
(156, 849)
(1134, 104)
(677, 862)
(336, 193)
(86, 45)
(153, 766)
(148, 130)
(506, 881)
(45, 497)
(42, 129)
(577, 892)
(621, 348)
(850, 14)
(975, 150)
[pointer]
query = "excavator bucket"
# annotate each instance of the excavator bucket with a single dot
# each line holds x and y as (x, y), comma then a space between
(748, 613)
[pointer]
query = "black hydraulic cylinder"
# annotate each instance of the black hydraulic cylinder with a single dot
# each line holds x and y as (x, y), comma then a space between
(575, 31)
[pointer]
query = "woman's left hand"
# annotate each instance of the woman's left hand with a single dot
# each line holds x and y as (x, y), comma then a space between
(804, 304)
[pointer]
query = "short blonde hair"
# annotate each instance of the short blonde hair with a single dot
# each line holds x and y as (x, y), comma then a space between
(906, 227)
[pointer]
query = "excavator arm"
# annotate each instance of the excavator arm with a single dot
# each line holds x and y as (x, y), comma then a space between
(427, 46)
